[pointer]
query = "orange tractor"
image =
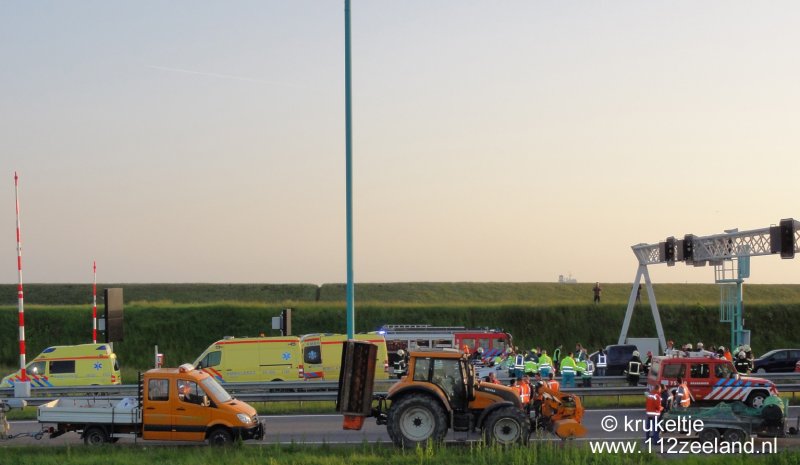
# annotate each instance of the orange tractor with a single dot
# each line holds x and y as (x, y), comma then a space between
(441, 392)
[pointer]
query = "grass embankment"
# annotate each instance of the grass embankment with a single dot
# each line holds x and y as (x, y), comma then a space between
(366, 454)
(183, 331)
(418, 293)
(78, 294)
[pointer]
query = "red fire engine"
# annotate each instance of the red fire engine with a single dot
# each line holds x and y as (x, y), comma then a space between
(710, 379)
(415, 337)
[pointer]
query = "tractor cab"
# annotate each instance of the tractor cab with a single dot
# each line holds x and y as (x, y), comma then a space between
(454, 377)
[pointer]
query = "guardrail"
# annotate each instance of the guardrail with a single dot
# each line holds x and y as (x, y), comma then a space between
(327, 390)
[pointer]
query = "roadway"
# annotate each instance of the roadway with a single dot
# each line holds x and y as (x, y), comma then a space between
(318, 429)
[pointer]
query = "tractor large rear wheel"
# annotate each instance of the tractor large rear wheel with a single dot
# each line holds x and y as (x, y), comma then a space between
(507, 426)
(416, 419)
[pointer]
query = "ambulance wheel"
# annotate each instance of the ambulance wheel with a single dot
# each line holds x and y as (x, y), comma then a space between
(94, 436)
(709, 435)
(416, 419)
(756, 399)
(220, 437)
(761, 371)
(734, 435)
(506, 426)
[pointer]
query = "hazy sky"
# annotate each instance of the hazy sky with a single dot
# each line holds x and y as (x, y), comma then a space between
(192, 141)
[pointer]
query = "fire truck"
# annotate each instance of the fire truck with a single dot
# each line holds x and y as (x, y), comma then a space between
(416, 337)
(710, 379)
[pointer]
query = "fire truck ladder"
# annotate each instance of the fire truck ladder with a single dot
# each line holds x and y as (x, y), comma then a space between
(729, 253)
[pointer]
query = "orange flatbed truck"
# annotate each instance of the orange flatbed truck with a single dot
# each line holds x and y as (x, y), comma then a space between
(174, 404)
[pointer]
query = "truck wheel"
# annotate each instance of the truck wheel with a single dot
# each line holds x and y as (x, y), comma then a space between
(756, 399)
(416, 419)
(94, 436)
(734, 435)
(220, 437)
(506, 426)
(708, 435)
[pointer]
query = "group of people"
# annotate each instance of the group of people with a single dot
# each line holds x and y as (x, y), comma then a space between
(537, 362)
(742, 361)
(526, 387)
(742, 357)
(661, 400)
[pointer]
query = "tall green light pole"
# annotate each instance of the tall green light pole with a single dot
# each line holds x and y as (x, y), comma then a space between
(349, 171)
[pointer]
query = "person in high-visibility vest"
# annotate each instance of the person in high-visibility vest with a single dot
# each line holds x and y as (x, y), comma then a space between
(531, 367)
(568, 369)
(497, 360)
(585, 370)
(552, 383)
(683, 396)
(556, 358)
(519, 366)
(634, 369)
(545, 364)
(507, 363)
(525, 391)
(602, 362)
(727, 354)
(653, 408)
(742, 364)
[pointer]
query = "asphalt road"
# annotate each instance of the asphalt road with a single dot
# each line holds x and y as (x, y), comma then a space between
(318, 429)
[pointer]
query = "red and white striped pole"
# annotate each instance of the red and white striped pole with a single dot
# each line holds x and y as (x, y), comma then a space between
(94, 303)
(23, 373)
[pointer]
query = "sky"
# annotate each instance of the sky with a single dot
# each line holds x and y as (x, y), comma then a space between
(198, 141)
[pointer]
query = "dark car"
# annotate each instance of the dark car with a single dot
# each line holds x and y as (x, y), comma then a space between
(776, 361)
(617, 358)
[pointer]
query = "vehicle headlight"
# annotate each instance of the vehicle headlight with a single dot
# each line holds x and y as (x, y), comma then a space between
(244, 418)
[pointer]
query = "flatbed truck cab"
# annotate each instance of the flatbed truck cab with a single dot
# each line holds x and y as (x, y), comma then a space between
(175, 404)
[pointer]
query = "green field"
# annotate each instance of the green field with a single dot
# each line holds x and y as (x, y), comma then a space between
(535, 313)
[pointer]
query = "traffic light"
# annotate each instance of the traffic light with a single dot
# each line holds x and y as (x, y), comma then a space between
(668, 251)
(286, 322)
(687, 248)
(781, 238)
(787, 238)
(113, 314)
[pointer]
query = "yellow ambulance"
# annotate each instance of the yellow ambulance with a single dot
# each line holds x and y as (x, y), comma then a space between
(78, 365)
(244, 359)
(322, 355)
